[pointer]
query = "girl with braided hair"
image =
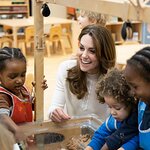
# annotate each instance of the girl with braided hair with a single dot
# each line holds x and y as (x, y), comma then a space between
(15, 99)
(137, 73)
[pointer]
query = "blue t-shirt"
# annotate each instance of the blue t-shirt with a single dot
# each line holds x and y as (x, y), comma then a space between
(144, 125)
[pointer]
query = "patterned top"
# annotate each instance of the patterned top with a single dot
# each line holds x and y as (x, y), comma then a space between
(64, 98)
(20, 110)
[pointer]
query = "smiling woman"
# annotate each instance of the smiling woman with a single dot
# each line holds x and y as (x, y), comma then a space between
(76, 80)
(87, 59)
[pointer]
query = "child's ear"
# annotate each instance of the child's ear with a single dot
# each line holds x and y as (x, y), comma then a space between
(93, 21)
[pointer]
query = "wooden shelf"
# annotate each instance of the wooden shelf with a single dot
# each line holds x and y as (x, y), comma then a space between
(13, 5)
(12, 9)
(13, 12)
(115, 29)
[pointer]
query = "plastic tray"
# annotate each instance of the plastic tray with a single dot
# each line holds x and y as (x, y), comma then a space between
(71, 134)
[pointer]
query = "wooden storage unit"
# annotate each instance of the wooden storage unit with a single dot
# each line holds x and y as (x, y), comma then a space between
(14, 9)
(115, 29)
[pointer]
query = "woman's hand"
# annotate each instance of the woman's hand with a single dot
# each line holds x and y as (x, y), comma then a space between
(58, 115)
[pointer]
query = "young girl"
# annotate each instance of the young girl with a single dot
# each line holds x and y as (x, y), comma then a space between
(113, 90)
(89, 17)
(15, 100)
(137, 73)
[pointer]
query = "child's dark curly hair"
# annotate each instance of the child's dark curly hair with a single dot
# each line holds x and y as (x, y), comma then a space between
(114, 84)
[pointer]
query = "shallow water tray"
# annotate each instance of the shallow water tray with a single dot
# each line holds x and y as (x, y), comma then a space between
(74, 134)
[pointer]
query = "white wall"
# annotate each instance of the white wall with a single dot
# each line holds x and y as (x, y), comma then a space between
(58, 11)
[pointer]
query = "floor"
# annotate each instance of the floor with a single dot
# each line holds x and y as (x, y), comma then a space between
(50, 70)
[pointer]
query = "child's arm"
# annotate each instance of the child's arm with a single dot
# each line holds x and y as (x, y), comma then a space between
(9, 123)
(132, 144)
(128, 130)
(98, 139)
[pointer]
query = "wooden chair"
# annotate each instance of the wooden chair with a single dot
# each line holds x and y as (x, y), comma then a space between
(28, 41)
(5, 41)
(67, 32)
(55, 40)
(7, 30)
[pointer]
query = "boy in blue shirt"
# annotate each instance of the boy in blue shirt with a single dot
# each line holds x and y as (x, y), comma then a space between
(113, 90)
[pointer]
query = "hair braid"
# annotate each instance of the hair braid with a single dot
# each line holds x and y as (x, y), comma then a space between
(141, 62)
(7, 53)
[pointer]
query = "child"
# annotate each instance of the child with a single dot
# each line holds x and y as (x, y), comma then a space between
(137, 73)
(88, 18)
(113, 90)
(15, 100)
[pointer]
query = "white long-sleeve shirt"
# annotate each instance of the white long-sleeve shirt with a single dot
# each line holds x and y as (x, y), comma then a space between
(64, 98)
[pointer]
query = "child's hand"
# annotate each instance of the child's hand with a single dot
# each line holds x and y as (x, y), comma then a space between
(30, 140)
(43, 85)
(25, 141)
(105, 147)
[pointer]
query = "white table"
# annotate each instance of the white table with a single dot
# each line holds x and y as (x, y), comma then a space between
(15, 24)
(124, 52)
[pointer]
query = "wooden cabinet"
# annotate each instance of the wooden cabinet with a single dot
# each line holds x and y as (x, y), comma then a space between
(115, 29)
(14, 9)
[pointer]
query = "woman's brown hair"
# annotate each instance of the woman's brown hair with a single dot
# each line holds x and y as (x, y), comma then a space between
(105, 52)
